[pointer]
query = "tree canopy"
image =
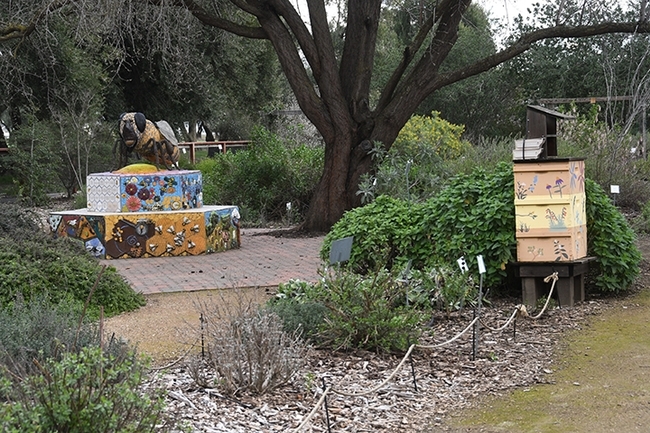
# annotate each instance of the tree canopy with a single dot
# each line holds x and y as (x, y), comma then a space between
(330, 69)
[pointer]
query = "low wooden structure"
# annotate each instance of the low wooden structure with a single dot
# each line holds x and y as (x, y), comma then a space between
(221, 146)
(570, 287)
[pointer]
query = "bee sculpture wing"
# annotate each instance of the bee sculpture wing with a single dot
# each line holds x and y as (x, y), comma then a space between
(167, 131)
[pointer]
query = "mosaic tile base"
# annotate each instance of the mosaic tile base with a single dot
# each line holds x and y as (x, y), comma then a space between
(151, 234)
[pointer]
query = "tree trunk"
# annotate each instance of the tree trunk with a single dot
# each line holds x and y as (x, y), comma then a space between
(336, 194)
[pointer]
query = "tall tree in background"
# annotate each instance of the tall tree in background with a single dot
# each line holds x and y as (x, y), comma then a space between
(334, 91)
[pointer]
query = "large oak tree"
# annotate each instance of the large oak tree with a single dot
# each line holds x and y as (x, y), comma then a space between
(334, 90)
(334, 93)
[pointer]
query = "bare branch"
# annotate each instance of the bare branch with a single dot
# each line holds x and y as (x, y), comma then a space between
(300, 31)
(524, 43)
(409, 54)
(215, 21)
(20, 31)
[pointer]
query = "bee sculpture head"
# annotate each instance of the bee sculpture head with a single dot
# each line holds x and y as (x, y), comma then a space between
(154, 142)
(132, 125)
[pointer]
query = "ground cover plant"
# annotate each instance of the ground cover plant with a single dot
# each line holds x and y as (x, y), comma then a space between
(56, 373)
(88, 390)
(35, 264)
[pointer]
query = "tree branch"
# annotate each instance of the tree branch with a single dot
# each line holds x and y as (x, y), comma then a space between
(524, 43)
(300, 31)
(21, 31)
(358, 54)
(412, 91)
(297, 76)
(409, 55)
(214, 21)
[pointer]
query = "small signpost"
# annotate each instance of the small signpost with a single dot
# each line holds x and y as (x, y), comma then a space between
(340, 250)
(481, 270)
(614, 190)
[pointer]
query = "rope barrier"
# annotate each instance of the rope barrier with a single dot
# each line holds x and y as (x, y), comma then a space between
(453, 339)
(508, 322)
(381, 385)
(519, 310)
(554, 277)
(313, 411)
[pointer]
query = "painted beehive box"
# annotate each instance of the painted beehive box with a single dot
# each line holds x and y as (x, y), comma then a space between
(550, 210)
(151, 234)
(150, 192)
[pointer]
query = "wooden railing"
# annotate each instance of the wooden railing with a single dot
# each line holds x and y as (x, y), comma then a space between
(222, 146)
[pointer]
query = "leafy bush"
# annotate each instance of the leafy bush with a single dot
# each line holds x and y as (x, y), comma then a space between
(33, 263)
(611, 240)
(347, 310)
(264, 178)
(86, 391)
(32, 162)
(443, 288)
(367, 312)
(413, 174)
(474, 215)
(40, 330)
(427, 152)
(294, 303)
(387, 232)
(443, 137)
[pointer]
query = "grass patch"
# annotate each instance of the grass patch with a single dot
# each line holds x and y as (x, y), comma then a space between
(601, 382)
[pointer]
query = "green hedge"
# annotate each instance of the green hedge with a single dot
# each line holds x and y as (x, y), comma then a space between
(474, 215)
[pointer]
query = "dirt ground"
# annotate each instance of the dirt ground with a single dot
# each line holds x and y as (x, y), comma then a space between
(167, 326)
(601, 384)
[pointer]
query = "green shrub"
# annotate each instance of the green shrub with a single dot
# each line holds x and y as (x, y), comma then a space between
(303, 318)
(264, 178)
(294, 303)
(33, 263)
(83, 392)
(40, 330)
(474, 215)
(426, 153)
(368, 313)
(347, 310)
(433, 131)
(444, 288)
(611, 240)
(643, 221)
(387, 232)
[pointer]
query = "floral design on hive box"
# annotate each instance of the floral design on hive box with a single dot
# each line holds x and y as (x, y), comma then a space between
(550, 210)
(151, 192)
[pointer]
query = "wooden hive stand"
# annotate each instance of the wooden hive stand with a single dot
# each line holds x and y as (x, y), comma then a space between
(570, 287)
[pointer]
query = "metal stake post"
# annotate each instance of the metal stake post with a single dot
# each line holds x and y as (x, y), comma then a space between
(327, 413)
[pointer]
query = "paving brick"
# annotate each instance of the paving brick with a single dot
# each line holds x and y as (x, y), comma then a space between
(261, 261)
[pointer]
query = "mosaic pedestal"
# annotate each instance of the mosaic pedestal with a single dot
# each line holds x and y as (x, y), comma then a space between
(151, 192)
(118, 235)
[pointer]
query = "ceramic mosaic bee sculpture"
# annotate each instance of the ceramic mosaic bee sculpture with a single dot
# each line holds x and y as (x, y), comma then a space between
(154, 142)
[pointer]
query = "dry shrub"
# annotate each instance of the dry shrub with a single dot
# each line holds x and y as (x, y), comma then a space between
(246, 349)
